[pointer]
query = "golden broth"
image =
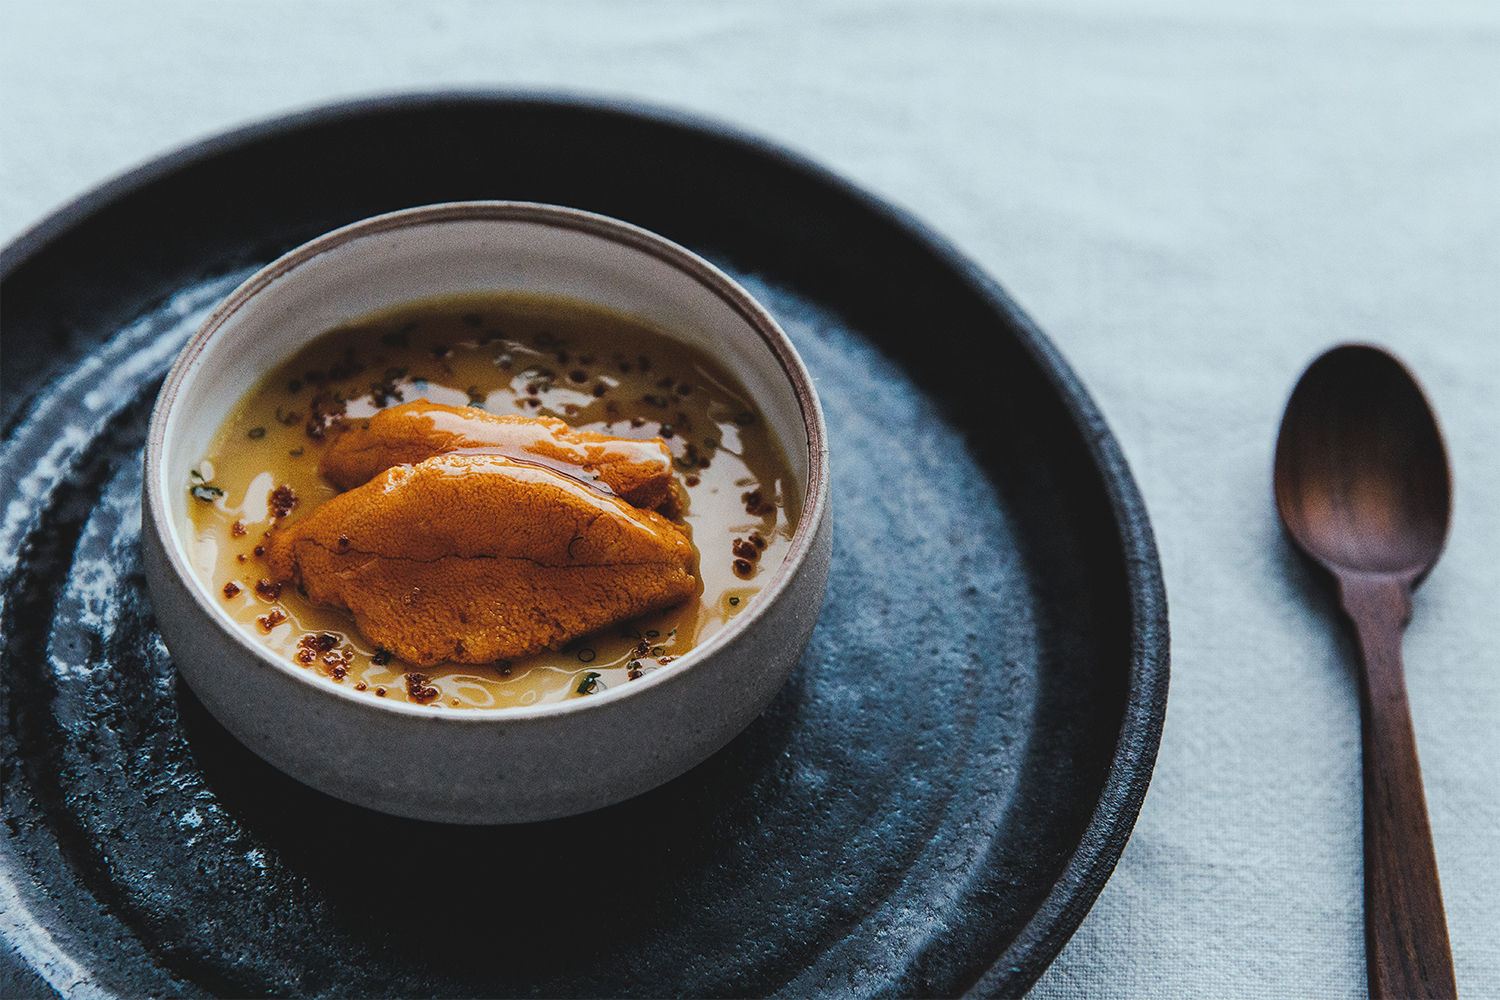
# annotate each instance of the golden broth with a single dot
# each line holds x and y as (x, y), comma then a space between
(508, 353)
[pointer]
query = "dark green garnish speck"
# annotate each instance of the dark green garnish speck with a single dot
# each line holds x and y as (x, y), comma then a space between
(734, 600)
(256, 433)
(208, 494)
(586, 655)
(590, 683)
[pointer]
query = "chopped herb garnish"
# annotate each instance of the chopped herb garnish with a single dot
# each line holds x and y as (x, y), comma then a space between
(586, 655)
(196, 476)
(734, 600)
(590, 683)
(208, 494)
(256, 433)
(652, 633)
(655, 400)
(295, 452)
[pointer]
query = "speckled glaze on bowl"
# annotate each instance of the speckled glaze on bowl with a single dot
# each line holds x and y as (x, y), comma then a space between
(515, 764)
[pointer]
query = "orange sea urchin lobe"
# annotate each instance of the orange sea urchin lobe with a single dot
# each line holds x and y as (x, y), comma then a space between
(638, 471)
(476, 558)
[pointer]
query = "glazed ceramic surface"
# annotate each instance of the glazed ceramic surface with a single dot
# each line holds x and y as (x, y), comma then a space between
(928, 806)
(486, 766)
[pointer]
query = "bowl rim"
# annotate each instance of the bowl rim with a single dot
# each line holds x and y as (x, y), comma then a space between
(814, 508)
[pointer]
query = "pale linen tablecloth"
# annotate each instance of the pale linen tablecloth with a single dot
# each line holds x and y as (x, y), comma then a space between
(1191, 199)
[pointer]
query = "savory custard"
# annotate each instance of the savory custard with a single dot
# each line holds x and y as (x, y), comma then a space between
(489, 501)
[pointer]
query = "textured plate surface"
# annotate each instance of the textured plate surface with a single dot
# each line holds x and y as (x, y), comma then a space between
(930, 805)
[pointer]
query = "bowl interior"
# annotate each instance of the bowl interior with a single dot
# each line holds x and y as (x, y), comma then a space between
(453, 249)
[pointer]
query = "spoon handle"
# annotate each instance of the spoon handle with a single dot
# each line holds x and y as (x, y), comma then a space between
(1406, 935)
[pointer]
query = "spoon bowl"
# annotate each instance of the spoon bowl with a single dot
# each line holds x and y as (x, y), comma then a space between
(1362, 485)
(1361, 476)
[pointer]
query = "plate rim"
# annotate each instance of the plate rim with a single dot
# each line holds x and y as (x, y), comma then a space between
(1113, 817)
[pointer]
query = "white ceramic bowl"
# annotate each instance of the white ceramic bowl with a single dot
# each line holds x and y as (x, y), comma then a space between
(484, 766)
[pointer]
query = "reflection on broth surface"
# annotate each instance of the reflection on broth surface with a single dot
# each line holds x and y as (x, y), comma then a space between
(537, 356)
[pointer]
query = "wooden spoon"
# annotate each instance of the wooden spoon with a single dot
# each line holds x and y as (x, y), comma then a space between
(1362, 484)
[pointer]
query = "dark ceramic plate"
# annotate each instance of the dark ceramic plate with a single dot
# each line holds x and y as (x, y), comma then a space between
(931, 804)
